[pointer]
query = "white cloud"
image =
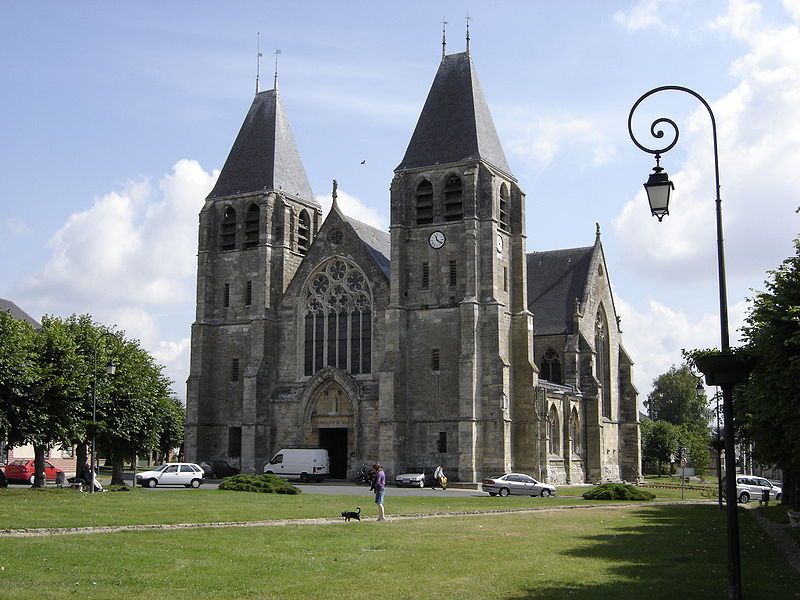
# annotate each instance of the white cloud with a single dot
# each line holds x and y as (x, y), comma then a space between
(130, 260)
(355, 208)
(759, 150)
(644, 15)
(540, 140)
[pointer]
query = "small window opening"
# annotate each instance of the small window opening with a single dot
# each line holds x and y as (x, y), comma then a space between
(248, 293)
(226, 295)
(453, 273)
(453, 199)
(235, 369)
(424, 202)
(435, 359)
(441, 443)
(426, 276)
(234, 442)
(505, 279)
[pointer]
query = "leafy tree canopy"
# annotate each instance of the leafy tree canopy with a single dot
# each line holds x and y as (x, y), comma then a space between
(674, 399)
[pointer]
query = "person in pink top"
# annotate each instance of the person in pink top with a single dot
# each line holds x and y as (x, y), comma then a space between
(379, 487)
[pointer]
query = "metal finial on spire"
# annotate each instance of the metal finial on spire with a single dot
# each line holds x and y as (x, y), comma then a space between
(467, 19)
(275, 81)
(444, 37)
(258, 59)
(597, 229)
(333, 193)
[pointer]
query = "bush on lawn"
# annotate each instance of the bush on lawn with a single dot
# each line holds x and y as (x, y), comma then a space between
(618, 491)
(267, 484)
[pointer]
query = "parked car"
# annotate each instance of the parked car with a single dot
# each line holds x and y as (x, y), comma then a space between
(416, 479)
(518, 484)
(752, 487)
(218, 469)
(22, 470)
(186, 474)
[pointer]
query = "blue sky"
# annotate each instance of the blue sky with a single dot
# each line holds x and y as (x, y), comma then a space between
(115, 118)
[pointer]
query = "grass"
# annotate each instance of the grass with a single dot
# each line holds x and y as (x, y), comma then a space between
(657, 552)
(26, 508)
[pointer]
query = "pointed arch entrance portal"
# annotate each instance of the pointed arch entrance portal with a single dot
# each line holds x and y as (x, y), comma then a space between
(330, 421)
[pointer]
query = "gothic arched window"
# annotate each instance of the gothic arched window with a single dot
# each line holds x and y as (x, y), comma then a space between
(304, 232)
(602, 360)
(551, 367)
(228, 230)
(424, 203)
(252, 226)
(337, 319)
(453, 199)
(575, 433)
(554, 431)
(503, 208)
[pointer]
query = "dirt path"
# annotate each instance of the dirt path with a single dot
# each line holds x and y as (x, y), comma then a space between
(782, 540)
(46, 531)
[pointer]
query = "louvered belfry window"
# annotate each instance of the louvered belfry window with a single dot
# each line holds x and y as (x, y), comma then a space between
(304, 233)
(228, 230)
(503, 208)
(338, 319)
(251, 226)
(453, 199)
(424, 204)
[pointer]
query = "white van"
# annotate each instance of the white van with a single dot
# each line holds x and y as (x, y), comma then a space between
(303, 463)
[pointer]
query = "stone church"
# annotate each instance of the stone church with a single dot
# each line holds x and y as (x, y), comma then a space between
(439, 342)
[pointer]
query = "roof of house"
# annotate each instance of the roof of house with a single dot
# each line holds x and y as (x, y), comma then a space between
(556, 279)
(455, 123)
(16, 312)
(264, 155)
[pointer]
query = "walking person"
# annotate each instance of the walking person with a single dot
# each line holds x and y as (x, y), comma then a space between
(379, 487)
(440, 478)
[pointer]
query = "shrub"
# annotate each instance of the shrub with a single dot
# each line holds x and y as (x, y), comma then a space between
(267, 484)
(618, 491)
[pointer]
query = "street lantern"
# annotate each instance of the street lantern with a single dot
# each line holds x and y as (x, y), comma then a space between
(699, 390)
(111, 368)
(658, 187)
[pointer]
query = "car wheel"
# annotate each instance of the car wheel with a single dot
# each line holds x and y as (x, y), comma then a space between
(151, 483)
(32, 479)
(493, 493)
(421, 484)
(304, 477)
(195, 483)
(744, 497)
(545, 493)
(504, 492)
(778, 497)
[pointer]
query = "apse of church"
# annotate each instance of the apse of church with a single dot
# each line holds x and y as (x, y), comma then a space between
(443, 342)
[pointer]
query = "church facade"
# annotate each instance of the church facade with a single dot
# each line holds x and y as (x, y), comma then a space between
(439, 342)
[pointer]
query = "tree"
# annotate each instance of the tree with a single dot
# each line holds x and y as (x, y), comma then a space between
(674, 398)
(659, 441)
(18, 374)
(767, 406)
(173, 425)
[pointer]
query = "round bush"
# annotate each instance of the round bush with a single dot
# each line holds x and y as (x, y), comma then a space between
(618, 491)
(266, 484)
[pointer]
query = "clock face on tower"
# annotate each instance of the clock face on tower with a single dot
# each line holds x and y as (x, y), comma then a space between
(436, 240)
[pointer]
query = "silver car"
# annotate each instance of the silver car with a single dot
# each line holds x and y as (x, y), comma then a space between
(186, 474)
(518, 484)
(750, 486)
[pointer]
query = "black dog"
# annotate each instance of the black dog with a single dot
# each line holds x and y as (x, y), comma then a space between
(352, 514)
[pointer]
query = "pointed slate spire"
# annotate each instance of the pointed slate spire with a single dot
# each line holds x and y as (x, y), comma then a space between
(455, 123)
(264, 155)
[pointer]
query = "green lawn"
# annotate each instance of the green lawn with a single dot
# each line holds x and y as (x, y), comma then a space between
(26, 508)
(653, 552)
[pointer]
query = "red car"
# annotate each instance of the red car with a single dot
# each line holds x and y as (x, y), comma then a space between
(24, 470)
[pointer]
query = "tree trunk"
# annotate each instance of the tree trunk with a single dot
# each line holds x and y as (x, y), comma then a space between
(791, 488)
(118, 468)
(82, 461)
(38, 462)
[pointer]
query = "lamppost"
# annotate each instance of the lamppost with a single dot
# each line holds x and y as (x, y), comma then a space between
(658, 188)
(111, 368)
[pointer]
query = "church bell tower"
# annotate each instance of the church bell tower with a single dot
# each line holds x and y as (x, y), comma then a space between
(457, 383)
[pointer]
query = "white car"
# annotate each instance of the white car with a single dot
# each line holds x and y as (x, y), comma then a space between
(518, 484)
(410, 480)
(186, 474)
